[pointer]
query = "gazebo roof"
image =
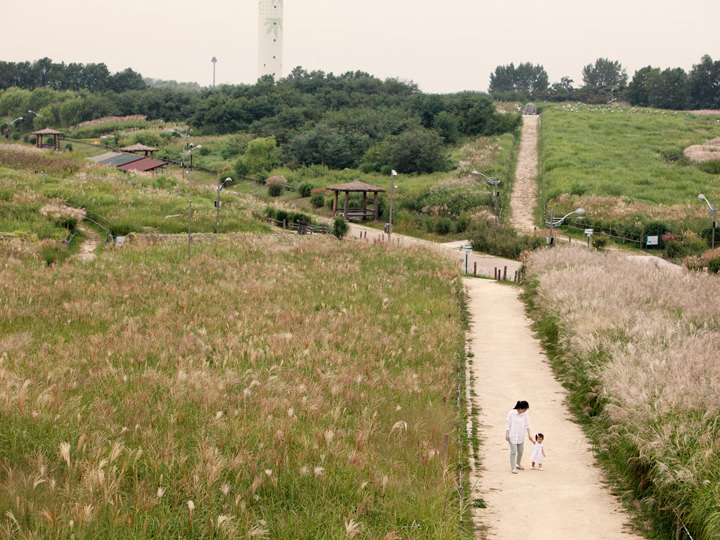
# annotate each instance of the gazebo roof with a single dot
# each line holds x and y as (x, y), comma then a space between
(48, 131)
(138, 147)
(356, 185)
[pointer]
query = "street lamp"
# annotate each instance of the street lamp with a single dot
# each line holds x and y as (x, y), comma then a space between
(214, 61)
(221, 185)
(393, 175)
(712, 208)
(188, 148)
(35, 113)
(10, 124)
(496, 193)
(556, 222)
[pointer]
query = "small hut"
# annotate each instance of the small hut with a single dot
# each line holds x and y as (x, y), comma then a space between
(356, 186)
(138, 147)
(39, 135)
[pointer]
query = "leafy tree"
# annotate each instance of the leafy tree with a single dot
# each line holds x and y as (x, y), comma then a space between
(637, 92)
(419, 150)
(260, 158)
(525, 77)
(604, 75)
(326, 145)
(704, 84)
(448, 126)
(668, 89)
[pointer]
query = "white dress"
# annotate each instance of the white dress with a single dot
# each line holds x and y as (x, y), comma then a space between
(536, 454)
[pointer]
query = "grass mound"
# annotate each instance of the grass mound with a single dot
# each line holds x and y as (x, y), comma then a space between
(639, 355)
(270, 387)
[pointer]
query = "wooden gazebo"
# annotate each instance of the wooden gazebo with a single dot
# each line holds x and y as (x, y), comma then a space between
(47, 132)
(356, 186)
(138, 147)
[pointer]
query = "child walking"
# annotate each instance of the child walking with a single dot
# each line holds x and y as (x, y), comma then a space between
(538, 452)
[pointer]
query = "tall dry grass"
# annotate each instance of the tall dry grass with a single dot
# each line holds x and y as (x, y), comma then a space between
(270, 387)
(638, 344)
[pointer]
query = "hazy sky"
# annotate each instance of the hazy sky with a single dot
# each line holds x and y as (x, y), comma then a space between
(443, 46)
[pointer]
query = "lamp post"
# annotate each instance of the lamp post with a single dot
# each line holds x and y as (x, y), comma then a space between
(10, 124)
(493, 182)
(393, 175)
(712, 208)
(556, 222)
(35, 113)
(214, 61)
(221, 185)
(188, 148)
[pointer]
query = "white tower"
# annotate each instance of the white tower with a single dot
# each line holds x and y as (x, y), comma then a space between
(270, 38)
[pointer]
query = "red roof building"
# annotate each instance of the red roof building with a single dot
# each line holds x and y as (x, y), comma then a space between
(142, 165)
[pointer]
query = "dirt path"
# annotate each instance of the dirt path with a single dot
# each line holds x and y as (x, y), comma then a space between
(567, 500)
(89, 245)
(486, 264)
(524, 196)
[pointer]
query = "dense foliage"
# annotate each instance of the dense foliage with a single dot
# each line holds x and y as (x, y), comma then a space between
(315, 118)
(605, 80)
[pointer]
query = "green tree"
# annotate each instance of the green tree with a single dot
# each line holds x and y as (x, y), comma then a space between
(419, 150)
(704, 84)
(668, 89)
(638, 89)
(260, 158)
(604, 75)
(526, 77)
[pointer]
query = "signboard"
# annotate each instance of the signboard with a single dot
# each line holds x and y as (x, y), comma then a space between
(652, 241)
(466, 248)
(588, 232)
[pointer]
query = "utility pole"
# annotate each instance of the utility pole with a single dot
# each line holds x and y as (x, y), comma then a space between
(214, 61)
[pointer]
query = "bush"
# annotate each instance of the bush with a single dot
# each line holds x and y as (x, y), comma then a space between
(304, 189)
(275, 190)
(443, 226)
(69, 147)
(599, 241)
(340, 228)
(317, 200)
(710, 167)
(501, 240)
(281, 215)
(694, 263)
(269, 212)
(714, 265)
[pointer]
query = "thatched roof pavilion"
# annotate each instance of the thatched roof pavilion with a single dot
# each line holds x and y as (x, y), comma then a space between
(47, 132)
(356, 186)
(138, 147)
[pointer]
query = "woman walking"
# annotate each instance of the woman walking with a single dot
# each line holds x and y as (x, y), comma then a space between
(516, 426)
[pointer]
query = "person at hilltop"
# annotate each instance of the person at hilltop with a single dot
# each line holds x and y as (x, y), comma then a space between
(516, 426)
(538, 452)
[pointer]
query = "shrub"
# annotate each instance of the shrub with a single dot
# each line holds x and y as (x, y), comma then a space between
(69, 147)
(305, 188)
(599, 241)
(501, 240)
(694, 263)
(281, 215)
(275, 190)
(269, 212)
(714, 265)
(340, 228)
(317, 200)
(443, 225)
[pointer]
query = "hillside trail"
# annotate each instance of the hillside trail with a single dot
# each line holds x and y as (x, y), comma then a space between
(567, 500)
(89, 246)
(524, 194)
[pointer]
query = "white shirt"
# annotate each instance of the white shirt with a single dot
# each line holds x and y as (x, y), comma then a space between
(517, 426)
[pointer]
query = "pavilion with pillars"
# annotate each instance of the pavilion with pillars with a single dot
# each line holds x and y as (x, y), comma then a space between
(47, 132)
(356, 186)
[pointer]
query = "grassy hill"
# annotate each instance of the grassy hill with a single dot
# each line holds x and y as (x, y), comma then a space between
(270, 387)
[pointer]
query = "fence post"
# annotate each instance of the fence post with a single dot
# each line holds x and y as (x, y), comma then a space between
(284, 224)
(505, 274)
(475, 268)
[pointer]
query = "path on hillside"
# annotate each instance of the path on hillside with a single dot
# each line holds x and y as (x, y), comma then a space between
(86, 252)
(524, 195)
(567, 500)
(486, 264)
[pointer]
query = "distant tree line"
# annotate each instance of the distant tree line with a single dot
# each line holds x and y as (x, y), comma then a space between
(606, 80)
(44, 73)
(347, 120)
